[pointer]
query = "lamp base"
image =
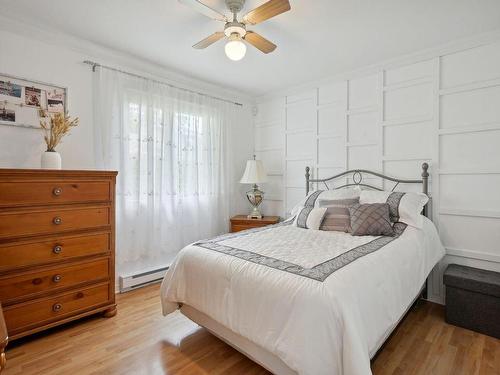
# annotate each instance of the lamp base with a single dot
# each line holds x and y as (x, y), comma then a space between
(255, 197)
(255, 214)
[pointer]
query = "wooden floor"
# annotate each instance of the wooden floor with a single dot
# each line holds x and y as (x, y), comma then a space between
(139, 340)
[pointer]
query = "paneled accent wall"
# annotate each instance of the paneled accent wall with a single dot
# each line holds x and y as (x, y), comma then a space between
(270, 148)
(444, 110)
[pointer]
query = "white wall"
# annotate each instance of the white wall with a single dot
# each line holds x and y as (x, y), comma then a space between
(31, 59)
(442, 108)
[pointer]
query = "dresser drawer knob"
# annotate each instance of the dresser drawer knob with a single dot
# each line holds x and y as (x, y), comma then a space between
(57, 191)
(57, 220)
(56, 307)
(37, 281)
(80, 295)
(57, 278)
(57, 249)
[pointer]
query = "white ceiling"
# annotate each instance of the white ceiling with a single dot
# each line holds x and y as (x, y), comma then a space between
(316, 38)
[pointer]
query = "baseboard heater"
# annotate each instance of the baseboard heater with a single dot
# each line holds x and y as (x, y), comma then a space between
(142, 279)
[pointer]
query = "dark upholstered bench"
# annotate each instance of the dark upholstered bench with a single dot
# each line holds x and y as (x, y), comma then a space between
(473, 299)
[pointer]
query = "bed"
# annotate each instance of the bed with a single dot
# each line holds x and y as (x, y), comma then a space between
(302, 301)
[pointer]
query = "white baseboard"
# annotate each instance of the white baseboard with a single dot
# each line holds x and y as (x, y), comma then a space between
(472, 254)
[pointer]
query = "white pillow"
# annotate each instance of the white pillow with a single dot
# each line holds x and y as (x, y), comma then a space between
(315, 196)
(310, 217)
(403, 207)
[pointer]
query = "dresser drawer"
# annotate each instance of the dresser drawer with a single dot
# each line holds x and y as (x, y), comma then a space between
(15, 224)
(42, 311)
(22, 193)
(29, 283)
(22, 254)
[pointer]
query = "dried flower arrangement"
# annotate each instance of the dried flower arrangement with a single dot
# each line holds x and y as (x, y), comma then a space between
(59, 125)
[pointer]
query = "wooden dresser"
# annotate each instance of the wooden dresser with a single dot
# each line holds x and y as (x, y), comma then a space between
(56, 247)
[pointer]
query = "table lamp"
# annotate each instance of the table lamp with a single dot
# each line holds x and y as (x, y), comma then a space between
(254, 174)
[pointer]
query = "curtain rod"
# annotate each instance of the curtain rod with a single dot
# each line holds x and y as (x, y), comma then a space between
(95, 65)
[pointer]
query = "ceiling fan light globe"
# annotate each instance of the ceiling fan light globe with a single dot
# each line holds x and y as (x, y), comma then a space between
(235, 50)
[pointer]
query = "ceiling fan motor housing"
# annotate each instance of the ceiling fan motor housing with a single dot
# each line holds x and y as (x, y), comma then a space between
(235, 5)
(235, 28)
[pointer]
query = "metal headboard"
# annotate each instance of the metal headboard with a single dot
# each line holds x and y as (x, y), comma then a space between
(357, 178)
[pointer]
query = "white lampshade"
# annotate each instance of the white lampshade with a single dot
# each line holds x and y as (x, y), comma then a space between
(254, 173)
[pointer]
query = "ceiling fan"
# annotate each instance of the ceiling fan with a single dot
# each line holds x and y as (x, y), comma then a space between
(236, 31)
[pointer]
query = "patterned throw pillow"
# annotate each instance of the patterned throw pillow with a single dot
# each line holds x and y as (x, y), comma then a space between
(337, 217)
(371, 220)
(310, 217)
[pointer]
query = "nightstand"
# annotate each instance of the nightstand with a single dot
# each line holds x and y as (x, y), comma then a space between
(242, 222)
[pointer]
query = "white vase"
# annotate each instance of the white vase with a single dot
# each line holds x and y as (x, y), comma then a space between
(51, 160)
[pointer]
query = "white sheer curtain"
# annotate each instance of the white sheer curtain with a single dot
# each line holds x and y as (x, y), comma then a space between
(171, 149)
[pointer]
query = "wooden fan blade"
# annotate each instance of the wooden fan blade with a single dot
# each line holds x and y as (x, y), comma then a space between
(259, 42)
(209, 40)
(204, 9)
(265, 11)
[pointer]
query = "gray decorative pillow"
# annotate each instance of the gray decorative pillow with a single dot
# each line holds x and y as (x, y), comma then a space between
(371, 220)
(337, 217)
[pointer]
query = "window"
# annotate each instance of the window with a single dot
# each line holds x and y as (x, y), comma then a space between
(170, 150)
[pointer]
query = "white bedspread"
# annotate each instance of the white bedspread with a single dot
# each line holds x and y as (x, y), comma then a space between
(316, 327)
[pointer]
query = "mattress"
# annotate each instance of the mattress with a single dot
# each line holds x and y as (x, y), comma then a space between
(321, 302)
